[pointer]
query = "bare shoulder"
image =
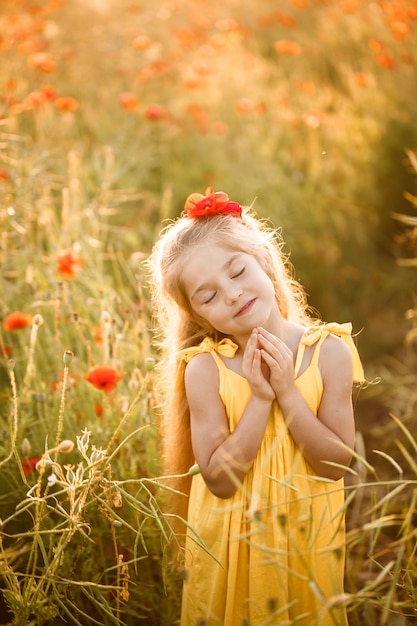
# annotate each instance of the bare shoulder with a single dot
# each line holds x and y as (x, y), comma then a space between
(200, 371)
(335, 358)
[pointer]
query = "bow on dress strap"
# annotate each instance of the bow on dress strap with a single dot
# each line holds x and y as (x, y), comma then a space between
(226, 347)
(344, 331)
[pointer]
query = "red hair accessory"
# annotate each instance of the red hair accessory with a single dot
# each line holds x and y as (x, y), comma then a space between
(213, 202)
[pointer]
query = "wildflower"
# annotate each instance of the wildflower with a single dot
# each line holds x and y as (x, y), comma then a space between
(43, 61)
(285, 46)
(16, 320)
(98, 334)
(376, 45)
(349, 6)
(52, 478)
(306, 86)
(128, 101)
(56, 382)
(245, 105)
(155, 112)
(4, 176)
(66, 103)
(361, 79)
(49, 92)
(67, 262)
(386, 61)
(29, 465)
(141, 42)
(104, 377)
(219, 128)
(6, 351)
(33, 100)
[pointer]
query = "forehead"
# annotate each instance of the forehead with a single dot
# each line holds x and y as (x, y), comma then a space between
(204, 263)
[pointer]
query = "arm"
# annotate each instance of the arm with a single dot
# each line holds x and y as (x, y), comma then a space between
(224, 458)
(319, 437)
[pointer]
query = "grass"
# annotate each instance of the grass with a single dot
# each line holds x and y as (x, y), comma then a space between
(110, 114)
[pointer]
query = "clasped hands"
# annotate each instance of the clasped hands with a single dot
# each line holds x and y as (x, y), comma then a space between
(268, 365)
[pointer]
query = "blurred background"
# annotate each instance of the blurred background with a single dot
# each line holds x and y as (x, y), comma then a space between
(113, 111)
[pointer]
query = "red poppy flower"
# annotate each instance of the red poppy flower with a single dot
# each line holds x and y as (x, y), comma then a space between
(43, 61)
(68, 261)
(16, 320)
(4, 175)
(386, 61)
(213, 202)
(285, 46)
(104, 377)
(98, 334)
(142, 42)
(361, 79)
(49, 92)
(6, 352)
(29, 465)
(155, 112)
(128, 101)
(33, 100)
(66, 103)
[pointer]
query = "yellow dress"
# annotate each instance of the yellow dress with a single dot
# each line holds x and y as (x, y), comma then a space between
(274, 552)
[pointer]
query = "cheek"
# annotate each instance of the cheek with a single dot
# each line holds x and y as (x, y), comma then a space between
(267, 284)
(200, 319)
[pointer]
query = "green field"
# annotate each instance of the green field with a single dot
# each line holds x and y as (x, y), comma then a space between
(111, 113)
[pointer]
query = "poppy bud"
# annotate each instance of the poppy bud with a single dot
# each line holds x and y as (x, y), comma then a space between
(194, 469)
(26, 447)
(67, 357)
(66, 446)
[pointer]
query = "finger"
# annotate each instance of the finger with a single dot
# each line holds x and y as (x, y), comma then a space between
(249, 354)
(269, 359)
(279, 349)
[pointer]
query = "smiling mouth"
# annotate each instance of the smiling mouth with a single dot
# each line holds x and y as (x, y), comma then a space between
(245, 308)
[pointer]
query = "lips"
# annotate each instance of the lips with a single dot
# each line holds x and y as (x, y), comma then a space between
(246, 308)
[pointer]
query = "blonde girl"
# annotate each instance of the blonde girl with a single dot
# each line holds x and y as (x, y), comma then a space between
(259, 396)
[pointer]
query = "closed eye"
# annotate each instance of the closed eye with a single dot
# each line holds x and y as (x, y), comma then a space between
(210, 299)
(239, 273)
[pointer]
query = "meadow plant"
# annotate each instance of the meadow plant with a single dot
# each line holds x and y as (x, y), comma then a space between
(82, 533)
(111, 113)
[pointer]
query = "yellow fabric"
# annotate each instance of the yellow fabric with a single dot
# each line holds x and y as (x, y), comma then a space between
(274, 552)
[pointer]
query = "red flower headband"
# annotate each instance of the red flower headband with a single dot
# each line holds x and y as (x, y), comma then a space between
(213, 202)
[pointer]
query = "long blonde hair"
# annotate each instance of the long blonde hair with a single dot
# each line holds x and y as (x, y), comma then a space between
(178, 327)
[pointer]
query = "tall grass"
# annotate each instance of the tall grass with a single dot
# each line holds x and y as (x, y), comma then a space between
(110, 114)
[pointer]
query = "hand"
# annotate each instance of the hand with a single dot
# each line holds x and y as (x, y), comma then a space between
(279, 359)
(253, 370)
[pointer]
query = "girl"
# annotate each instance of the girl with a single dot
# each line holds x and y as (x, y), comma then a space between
(262, 403)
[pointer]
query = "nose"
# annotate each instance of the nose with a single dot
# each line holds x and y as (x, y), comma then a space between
(233, 294)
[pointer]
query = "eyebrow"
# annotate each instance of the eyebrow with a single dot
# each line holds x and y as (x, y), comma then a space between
(204, 286)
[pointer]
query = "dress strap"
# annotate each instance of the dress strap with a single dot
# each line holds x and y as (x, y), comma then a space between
(226, 347)
(317, 334)
(299, 357)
